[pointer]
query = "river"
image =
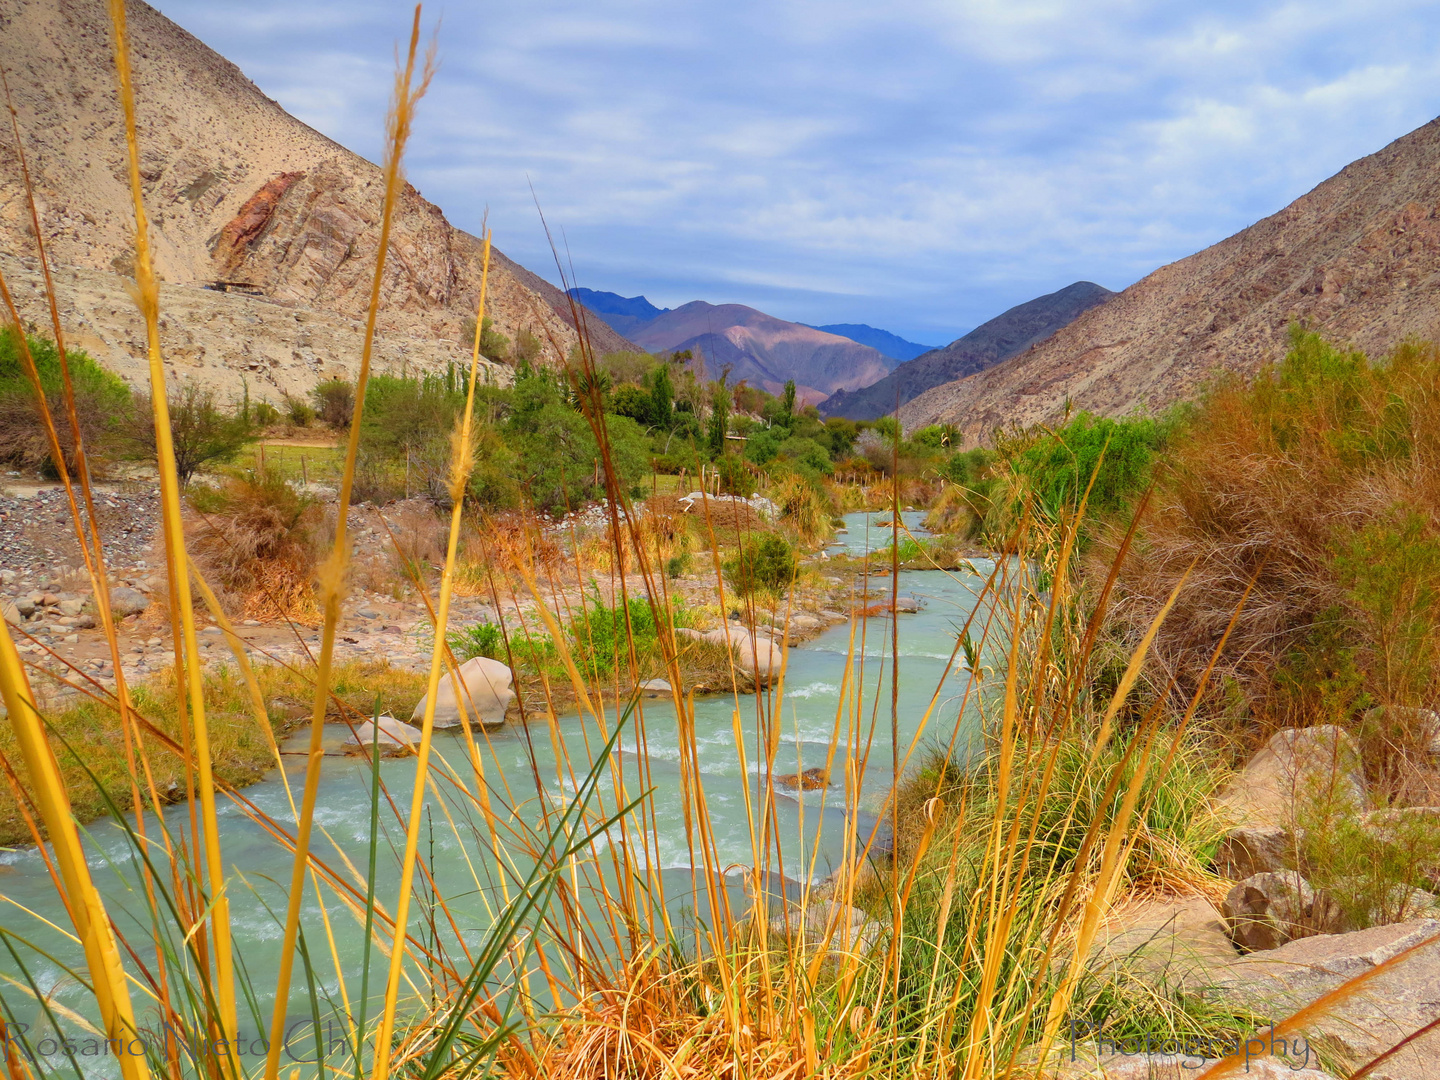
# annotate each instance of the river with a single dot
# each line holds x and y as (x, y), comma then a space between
(527, 775)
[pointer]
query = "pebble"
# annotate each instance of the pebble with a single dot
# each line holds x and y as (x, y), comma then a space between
(36, 532)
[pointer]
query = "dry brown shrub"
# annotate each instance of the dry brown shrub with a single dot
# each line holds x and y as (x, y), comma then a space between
(500, 544)
(1268, 484)
(255, 537)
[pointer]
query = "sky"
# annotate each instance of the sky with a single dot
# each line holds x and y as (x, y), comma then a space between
(918, 165)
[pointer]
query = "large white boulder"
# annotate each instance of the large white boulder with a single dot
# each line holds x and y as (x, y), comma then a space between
(485, 693)
(753, 652)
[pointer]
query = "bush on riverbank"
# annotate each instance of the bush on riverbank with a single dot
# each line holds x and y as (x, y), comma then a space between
(1318, 482)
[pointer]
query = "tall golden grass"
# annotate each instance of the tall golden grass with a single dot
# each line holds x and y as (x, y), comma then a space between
(984, 916)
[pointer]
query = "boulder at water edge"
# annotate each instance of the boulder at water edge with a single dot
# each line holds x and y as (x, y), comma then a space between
(394, 736)
(1396, 1004)
(484, 691)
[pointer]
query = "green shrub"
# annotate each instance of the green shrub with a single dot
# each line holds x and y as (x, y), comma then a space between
(735, 479)
(103, 404)
(765, 563)
(202, 432)
(481, 639)
(298, 411)
(603, 641)
(335, 402)
(1059, 465)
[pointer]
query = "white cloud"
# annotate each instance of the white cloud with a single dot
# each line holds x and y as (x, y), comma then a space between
(918, 165)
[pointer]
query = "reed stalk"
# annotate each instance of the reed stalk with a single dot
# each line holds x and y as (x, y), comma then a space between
(147, 298)
(460, 467)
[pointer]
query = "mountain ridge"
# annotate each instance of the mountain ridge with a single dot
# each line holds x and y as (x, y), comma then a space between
(763, 349)
(237, 190)
(1356, 258)
(892, 345)
(992, 342)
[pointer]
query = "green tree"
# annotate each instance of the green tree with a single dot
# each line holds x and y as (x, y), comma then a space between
(201, 431)
(719, 416)
(335, 402)
(787, 400)
(629, 400)
(662, 397)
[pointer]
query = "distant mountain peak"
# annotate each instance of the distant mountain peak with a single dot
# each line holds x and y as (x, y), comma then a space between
(989, 344)
(762, 349)
(892, 345)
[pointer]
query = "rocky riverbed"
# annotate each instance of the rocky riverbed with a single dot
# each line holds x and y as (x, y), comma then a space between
(45, 596)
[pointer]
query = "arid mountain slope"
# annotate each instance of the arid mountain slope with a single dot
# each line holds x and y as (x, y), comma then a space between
(764, 350)
(1357, 258)
(988, 344)
(237, 189)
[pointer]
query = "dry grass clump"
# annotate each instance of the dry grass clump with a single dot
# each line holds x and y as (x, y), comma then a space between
(1320, 484)
(258, 538)
(805, 507)
(497, 547)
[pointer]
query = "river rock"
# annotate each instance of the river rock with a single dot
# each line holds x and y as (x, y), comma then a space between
(906, 604)
(1392, 1006)
(1295, 766)
(127, 601)
(25, 606)
(12, 614)
(1266, 910)
(754, 653)
(71, 607)
(486, 694)
(1254, 849)
(851, 931)
(809, 780)
(654, 688)
(758, 655)
(1180, 942)
(394, 736)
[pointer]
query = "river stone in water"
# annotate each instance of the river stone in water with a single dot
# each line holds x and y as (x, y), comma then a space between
(394, 736)
(485, 690)
(654, 688)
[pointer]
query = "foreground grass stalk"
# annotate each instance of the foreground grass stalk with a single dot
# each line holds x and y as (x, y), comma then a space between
(92, 925)
(147, 297)
(332, 575)
(460, 467)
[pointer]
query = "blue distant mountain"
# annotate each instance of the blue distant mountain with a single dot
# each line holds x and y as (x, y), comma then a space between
(628, 315)
(886, 342)
(624, 314)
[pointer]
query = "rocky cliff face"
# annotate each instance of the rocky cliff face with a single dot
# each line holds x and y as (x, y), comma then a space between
(988, 344)
(237, 189)
(1358, 258)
